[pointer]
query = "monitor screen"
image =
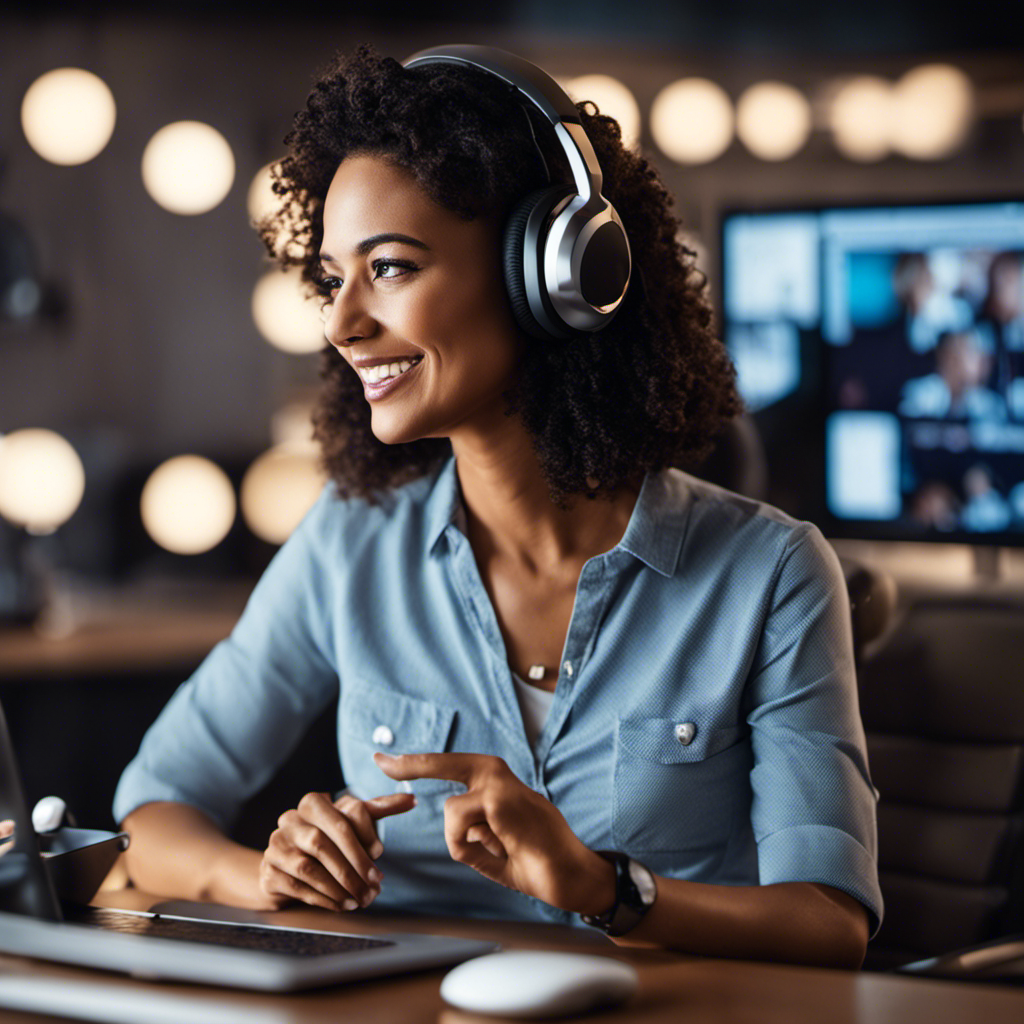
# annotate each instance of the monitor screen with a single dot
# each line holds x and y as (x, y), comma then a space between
(901, 328)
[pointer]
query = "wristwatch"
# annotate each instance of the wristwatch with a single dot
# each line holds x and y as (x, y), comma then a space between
(635, 890)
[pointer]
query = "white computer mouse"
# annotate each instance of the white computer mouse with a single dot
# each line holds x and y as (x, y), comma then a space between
(531, 983)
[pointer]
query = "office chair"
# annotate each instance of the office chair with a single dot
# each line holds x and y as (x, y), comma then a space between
(943, 708)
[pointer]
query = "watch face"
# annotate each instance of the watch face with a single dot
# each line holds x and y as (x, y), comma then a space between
(644, 882)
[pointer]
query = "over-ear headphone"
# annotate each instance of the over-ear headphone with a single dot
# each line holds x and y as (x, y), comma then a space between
(566, 255)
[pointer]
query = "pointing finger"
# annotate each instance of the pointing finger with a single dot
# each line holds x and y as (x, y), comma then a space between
(458, 767)
(392, 803)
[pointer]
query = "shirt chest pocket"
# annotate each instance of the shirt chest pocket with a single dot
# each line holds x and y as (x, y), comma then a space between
(678, 785)
(373, 718)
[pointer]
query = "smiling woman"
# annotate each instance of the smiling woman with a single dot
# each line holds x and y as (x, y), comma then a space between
(519, 351)
(656, 378)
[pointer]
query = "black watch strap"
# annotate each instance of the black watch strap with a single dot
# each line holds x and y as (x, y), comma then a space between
(635, 891)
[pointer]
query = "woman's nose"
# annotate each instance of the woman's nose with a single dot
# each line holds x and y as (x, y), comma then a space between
(346, 321)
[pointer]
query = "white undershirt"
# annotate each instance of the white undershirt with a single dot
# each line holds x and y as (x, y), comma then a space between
(534, 704)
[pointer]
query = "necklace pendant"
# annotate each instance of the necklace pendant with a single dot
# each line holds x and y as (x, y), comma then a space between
(536, 672)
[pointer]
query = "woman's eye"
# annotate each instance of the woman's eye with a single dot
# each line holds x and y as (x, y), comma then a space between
(326, 285)
(389, 269)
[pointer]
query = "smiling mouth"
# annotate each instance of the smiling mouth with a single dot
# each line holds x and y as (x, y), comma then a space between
(386, 371)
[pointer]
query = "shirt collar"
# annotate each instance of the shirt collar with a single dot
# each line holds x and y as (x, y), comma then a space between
(444, 505)
(658, 524)
(656, 527)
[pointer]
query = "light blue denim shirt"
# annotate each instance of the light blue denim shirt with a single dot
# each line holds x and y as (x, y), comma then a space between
(705, 718)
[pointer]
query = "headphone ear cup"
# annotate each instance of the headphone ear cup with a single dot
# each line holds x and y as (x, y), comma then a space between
(530, 304)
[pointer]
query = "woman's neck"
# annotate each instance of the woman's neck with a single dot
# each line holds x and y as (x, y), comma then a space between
(509, 508)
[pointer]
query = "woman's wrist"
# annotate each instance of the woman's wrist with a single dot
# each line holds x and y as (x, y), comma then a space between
(595, 892)
(234, 879)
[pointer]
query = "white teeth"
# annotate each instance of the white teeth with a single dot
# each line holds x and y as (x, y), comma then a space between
(375, 374)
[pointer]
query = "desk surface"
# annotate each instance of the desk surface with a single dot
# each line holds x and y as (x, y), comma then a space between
(673, 988)
(137, 630)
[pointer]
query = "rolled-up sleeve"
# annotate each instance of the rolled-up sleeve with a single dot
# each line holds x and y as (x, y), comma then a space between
(813, 810)
(233, 723)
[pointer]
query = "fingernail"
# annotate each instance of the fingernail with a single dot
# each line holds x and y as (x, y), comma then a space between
(377, 849)
(349, 905)
(370, 897)
(374, 875)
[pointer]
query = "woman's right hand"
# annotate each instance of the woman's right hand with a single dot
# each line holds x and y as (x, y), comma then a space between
(322, 853)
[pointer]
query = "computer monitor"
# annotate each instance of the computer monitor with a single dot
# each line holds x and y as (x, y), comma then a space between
(896, 333)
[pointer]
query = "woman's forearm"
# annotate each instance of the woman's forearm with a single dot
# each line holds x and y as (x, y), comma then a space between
(176, 850)
(791, 922)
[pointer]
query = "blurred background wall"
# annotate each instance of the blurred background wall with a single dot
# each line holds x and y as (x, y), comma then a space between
(145, 347)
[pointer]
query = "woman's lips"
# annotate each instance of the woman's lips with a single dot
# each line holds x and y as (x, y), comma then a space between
(385, 387)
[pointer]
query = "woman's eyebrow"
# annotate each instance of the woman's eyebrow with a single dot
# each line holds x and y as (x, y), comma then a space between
(368, 244)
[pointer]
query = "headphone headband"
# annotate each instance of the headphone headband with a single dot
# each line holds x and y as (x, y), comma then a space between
(535, 84)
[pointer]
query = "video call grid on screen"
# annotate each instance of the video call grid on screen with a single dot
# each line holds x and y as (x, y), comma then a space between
(916, 316)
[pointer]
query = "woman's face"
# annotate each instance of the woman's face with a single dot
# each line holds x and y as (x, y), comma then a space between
(413, 283)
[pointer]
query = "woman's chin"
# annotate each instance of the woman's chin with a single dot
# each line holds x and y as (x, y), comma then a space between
(393, 433)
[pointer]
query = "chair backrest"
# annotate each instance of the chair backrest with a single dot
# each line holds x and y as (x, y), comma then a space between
(943, 709)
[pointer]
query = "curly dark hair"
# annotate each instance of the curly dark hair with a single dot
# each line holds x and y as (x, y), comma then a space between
(651, 389)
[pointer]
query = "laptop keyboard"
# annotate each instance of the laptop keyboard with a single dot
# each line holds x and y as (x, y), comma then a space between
(267, 940)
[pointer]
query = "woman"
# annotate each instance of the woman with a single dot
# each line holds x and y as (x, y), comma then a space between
(501, 511)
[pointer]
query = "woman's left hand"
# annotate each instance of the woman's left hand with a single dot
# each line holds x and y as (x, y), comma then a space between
(509, 833)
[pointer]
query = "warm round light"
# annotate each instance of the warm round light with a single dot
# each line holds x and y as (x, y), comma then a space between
(279, 488)
(284, 315)
(773, 120)
(188, 167)
(932, 111)
(188, 505)
(861, 118)
(692, 120)
(261, 202)
(68, 115)
(293, 424)
(612, 98)
(41, 479)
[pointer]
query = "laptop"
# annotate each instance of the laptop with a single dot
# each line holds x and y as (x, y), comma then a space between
(182, 941)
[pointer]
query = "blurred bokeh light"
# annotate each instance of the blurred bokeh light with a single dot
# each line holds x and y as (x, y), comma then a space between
(773, 120)
(284, 315)
(613, 98)
(932, 111)
(188, 167)
(293, 423)
(68, 115)
(260, 200)
(860, 116)
(188, 505)
(692, 120)
(42, 479)
(279, 488)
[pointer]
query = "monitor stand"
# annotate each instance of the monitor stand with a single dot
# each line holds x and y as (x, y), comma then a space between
(987, 562)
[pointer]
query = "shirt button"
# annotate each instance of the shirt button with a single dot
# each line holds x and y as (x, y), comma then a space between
(383, 736)
(685, 731)
(568, 668)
